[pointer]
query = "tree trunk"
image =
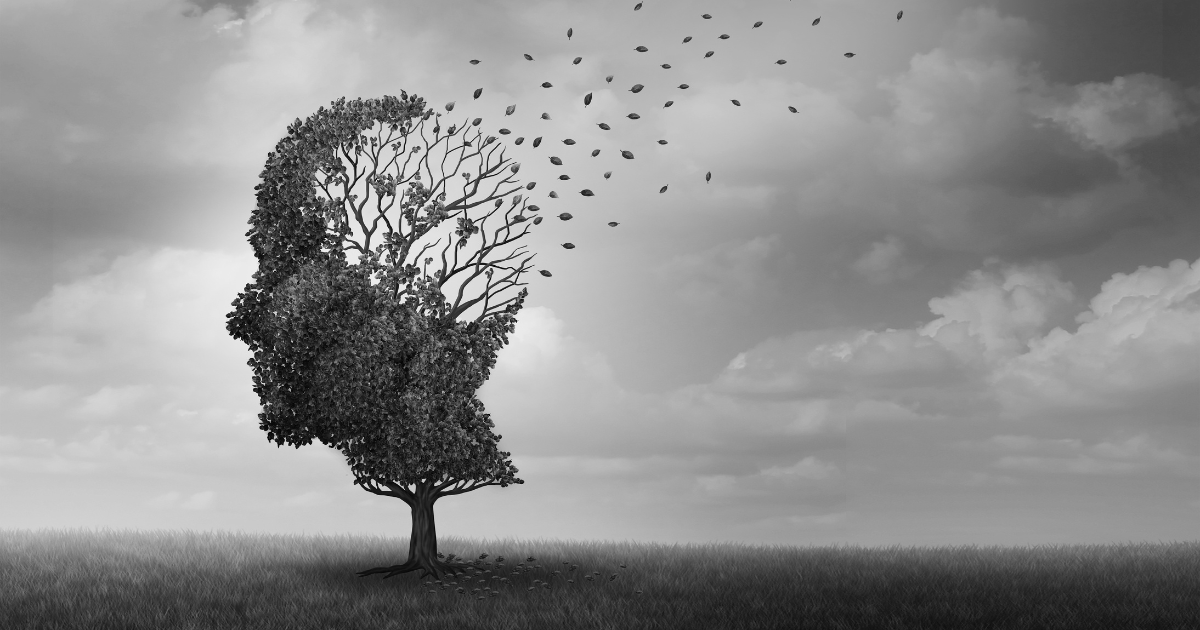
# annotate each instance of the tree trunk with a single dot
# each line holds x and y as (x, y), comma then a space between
(422, 542)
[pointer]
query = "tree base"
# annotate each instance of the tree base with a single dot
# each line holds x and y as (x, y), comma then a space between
(436, 568)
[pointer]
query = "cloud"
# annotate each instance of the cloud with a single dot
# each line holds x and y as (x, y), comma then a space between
(884, 262)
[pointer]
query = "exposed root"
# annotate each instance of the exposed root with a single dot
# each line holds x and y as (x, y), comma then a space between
(437, 568)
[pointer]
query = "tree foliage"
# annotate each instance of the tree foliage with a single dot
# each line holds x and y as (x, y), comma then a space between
(371, 358)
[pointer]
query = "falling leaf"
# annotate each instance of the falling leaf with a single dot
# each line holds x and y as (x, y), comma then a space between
(564, 177)
(662, 190)
(595, 152)
(607, 174)
(683, 86)
(781, 61)
(577, 60)
(628, 155)
(613, 224)
(586, 193)
(587, 100)
(537, 221)
(568, 246)
(637, 6)
(553, 195)
(537, 141)
(566, 216)
(518, 141)
(450, 106)
(569, 33)
(556, 161)
(641, 49)
(568, 142)
(708, 177)
(687, 39)
(636, 88)
(793, 109)
(706, 16)
(757, 24)
(668, 103)
(735, 102)
(899, 15)
(708, 54)
(546, 84)
(474, 62)
(478, 91)
(514, 168)
(633, 117)
(662, 141)
(533, 208)
(545, 116)
(608, 79)
(848, 55)
(816, 21)
(504, 132)
(476, 121)
(723, 36)
(509, 111)
(528, 57)
(604, 126)
(545, 273)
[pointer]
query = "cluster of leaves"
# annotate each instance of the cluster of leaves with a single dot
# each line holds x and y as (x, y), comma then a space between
(390, 383)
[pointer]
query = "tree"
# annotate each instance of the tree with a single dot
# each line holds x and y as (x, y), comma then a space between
(370, 358)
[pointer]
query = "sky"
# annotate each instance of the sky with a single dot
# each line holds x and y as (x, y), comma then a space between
(953, 300)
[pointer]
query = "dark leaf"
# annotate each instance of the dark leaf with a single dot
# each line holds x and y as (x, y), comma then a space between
(529, 57)
(553, 195)
(564, 177)
(587, 100)
(474, 62)
(899, 15)
(683, 86)
(793, 109)
(545, 273)
(757, 24)
(735, 102)
(533, 208)
(595, 152)
(613, 224)
(568, 246)
(546, 84)
(848, 55)
(586, 193)
(518, 141)
(708, 54)
(781, 61)
(530, 186)
(723, 36)
(569, 33)
(642, 49)
(537, 141)
(662, 141)
(478, 91)
(604, 126)
(545, 116)
(666, 66)
(668, 103)
(450, 106)
(628, 155)
(687, 39)
(662, 190)
(637, 6)
(476, 121)
(608, 79)
(504, 132)
(607, 174)
(566, 216)
(537, 221)
(556, 161)
(636, 88)
(568, 142)
(633, 117)
(816, 21)
(706, 16)
(708, 176)
(577, 60)
(508, 111)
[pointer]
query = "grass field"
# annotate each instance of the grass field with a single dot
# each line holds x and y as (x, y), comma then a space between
(163, 580)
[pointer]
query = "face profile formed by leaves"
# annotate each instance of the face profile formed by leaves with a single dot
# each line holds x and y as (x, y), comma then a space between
(371, 358)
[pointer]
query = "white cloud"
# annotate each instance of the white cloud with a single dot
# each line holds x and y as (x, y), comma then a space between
(884, 262)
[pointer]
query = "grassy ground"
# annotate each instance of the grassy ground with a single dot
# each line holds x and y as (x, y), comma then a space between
(162, 580)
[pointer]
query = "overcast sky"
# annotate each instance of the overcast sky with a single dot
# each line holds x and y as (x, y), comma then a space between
(954, 299)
